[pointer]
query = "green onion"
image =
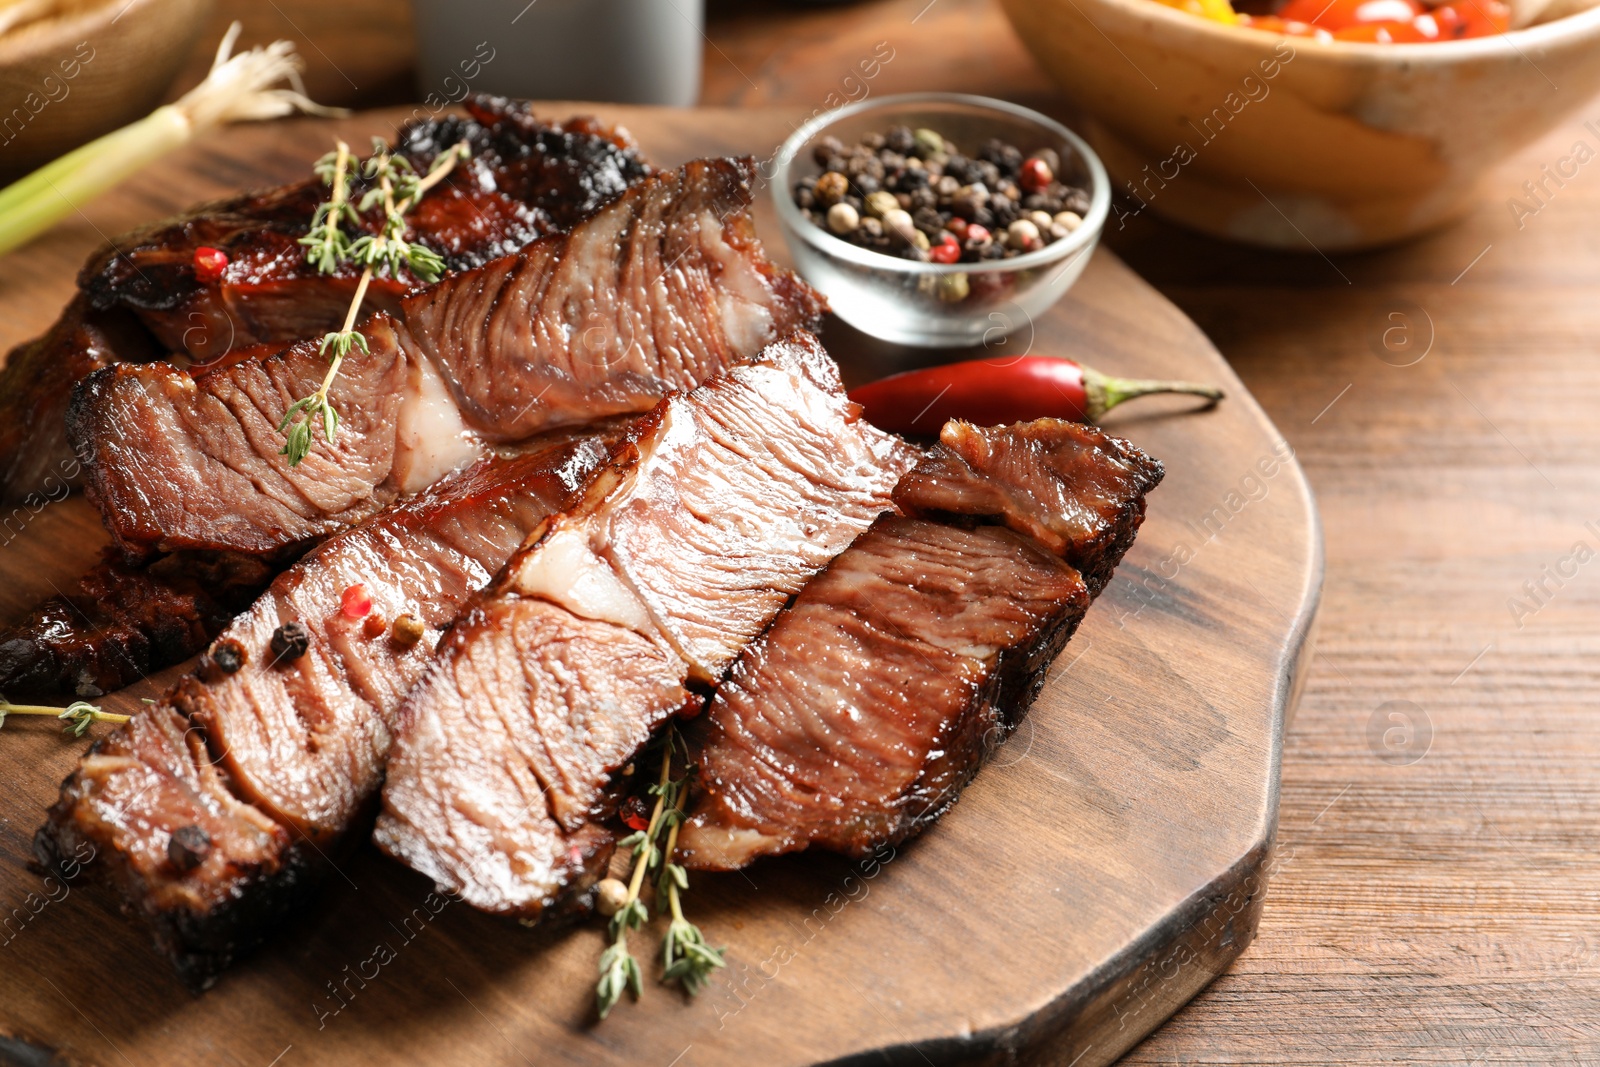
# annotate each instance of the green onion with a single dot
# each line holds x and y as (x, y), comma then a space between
(237, 89)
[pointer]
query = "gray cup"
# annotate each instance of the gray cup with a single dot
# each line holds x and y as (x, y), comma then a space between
(620, 51)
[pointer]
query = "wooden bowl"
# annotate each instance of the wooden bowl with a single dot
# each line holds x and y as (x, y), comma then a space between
(1294, 143)
(67, 80)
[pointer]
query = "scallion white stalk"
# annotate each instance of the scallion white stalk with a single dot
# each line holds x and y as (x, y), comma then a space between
(239, 88)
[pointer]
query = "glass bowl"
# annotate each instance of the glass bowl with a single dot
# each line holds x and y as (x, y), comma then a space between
(912, 303)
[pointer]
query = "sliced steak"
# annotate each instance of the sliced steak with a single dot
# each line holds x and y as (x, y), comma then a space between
(140, 298)
(124, 621)
(656, 291)
(724, 502)
(526, 178)
(872, 700)
(37, 377)
(273, 748)
(1076, 489)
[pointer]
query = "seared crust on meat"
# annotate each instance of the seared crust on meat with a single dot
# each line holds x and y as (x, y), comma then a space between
(657, 291)
(1074, 488)
(214, 809)
(872, 700)
(139, 298)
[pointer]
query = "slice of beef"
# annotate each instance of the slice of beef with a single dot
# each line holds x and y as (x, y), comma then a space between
(858, 717)
(215, 809)
(124, 621)
(179, 463)
(526, 177)
(720, 507)
(872, 700)
(658, 290)
(1076, 489)
(140, 299)
(36, 462)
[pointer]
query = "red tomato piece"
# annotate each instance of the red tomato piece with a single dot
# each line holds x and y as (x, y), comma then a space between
(1380, 33)
(1340, 14)
(1450, 23)
(1472, 18)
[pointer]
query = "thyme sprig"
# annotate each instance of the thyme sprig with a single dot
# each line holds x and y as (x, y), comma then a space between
(396, 186)
(686, 956)
(78, 715)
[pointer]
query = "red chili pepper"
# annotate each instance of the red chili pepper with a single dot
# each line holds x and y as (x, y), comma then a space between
(355, 602)
(209, 263)
(994, 392)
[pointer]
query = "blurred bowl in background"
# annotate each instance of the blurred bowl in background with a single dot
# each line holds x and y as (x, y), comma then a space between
(1289, 142)
(66, 80)
(933, 305)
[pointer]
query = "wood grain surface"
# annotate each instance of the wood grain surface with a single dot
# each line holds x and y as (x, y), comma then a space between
(1104, 868)
(1440, 911)
(1437, 899)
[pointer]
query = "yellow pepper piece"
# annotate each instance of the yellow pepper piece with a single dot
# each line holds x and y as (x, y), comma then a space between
(1215, 10)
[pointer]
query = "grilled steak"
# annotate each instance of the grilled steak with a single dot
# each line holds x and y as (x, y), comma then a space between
(140, 298)
(858, 717)
(1076, 490)
(35, 381)
(658, 290)
(526, 178)
(124, 621)
(719, 508)
(215, 808)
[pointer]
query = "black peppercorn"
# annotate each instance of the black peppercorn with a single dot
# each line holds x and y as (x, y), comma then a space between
(289, 642)
(928, 220)
(900, 139)
(228, 656)
(826, 148)
(188, 847)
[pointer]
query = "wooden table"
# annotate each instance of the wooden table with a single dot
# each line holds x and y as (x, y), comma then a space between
(1438, 884)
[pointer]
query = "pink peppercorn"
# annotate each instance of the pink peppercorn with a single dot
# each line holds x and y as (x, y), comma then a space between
(1036, 176)
(209, 263)
(355, 603)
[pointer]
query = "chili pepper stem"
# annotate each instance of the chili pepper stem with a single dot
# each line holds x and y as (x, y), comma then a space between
(1103, 392)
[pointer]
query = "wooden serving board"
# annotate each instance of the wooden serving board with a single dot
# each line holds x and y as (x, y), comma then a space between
(1108, 864)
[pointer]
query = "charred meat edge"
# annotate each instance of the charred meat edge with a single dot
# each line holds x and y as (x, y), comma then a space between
(139, 298)
(487, 355)
(178, 804)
